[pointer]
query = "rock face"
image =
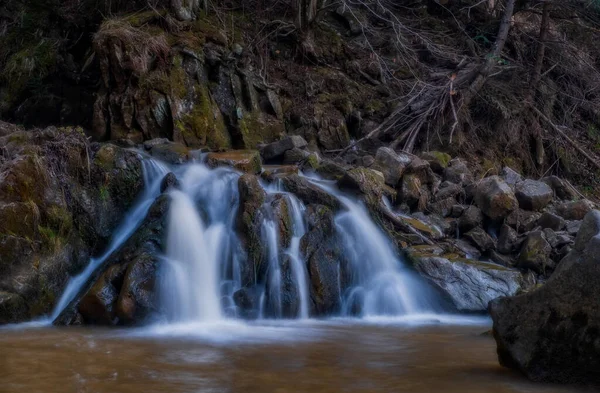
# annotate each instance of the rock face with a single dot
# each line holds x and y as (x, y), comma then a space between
(551, 334)
(533, 195)
(470, 284)
(124, 290)
(60, 199)
(495, 198)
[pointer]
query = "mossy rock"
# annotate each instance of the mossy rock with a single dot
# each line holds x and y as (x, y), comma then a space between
(437, 160)
(247, 161)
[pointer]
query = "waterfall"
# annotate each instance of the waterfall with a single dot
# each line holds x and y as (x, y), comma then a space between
(191, 290)
(296, 258)
(153, 172)
(381, 283)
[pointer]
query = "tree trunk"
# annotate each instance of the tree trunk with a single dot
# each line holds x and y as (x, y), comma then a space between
(541, 50)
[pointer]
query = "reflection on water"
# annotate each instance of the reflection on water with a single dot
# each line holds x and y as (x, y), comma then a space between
(313, 357)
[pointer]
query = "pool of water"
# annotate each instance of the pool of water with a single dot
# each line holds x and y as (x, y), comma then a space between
(380, 355)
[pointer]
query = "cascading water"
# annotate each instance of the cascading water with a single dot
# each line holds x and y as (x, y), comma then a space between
(296, 258)
(381, 284)
(153, 172)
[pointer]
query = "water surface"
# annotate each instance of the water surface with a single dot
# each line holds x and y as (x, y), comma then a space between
(296, 357)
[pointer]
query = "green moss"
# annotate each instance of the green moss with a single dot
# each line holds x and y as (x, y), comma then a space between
(374, 106)
(59, 219)
(204, 126)
(105, 157)
(255, 129)
(171, 82)
(312, 161)
(442, 158)
(49, 238)
(104, 193)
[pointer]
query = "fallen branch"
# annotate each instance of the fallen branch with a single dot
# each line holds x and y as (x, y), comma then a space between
(591, 159)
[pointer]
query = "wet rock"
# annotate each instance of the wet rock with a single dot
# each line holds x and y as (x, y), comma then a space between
(247, 299)
(13, 308)
(247, 161)
(507, 240)
(97, 306)
(480, 239)
(550, 334)
(391, 164)
(523, 220)
(331, 170)
(472, 217)
(367, 182)
(495, 198)
(277, 149)
(533, 195)
(272, 172)
(249, 220)
(148, 145)
(561, 188)
(171, 153)
(438, 161)
(575, 210)
(458, 172)
(552, 221)
(308, 192)
(324, 254)
(510, 176)
(170, 181)
(470, 284)
(465, 249)
(535, 253)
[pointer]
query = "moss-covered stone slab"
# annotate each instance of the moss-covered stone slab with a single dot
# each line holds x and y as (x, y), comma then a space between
(247, 161)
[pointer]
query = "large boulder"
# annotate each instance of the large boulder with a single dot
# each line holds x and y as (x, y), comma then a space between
(495, 198)
(60, 200)
(551, 334)
(391, 164)
(533, 195)
(471, 217)
(368, 183)
(470, 284)
(123, 290)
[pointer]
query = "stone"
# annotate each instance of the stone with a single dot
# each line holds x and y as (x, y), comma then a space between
(171, 153)
(247, 299)
(392, 164)
(447, 190)
(575, 210)
(470, 284)
(550, 334)
(368, 161)
(562, 189)
(247, 161)
(410, 190)
(367, 182)
(13, 308)
(507, 240)
(457, 211)
(480, 239)
(552, 221)
(523, 220)
(495, 198)
(331, 170)
(169, 182)
(510, 176)
(535, 253)
(442, 207)
(533, 195)
(502, 259)
(438, 161)
(465, 248)
(572, 227)
(272, 172)
(308, 192)
(277, 149)
(295, 156)
(149, 144)
(472, 217)
(458, 172)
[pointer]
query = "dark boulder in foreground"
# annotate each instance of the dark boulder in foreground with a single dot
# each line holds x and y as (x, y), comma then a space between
(553, 333)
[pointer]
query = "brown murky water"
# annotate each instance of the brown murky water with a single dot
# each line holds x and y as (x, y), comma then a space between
(316, 357)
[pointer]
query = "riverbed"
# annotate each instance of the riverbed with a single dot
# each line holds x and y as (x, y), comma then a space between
(340, 355)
